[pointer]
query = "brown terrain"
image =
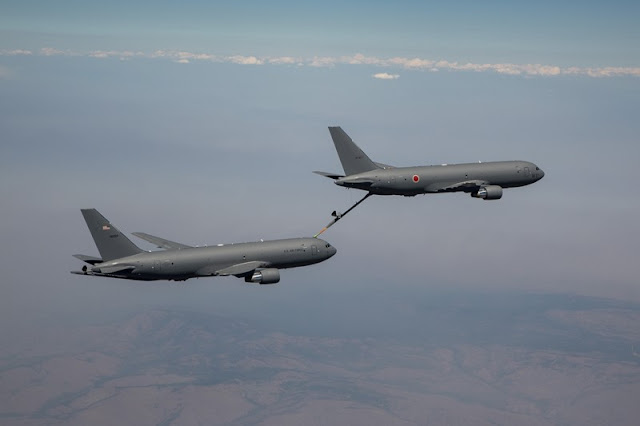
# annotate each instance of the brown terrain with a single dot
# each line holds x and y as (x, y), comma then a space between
(455, 365)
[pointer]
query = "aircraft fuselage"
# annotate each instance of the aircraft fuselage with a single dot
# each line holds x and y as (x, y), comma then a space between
(195, 262)
(468, 177)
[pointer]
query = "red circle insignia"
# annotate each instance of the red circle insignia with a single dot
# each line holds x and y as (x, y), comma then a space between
(416, 178)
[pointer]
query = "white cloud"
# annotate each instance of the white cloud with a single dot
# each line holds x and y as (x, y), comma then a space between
(99, 54)
(360, 59)
(613, 72)
(15, 52)
(102, 54)
(284, 60)
(322, 61)
(195, 56)
(538, 69)
(386, 76)
(245, 60)
(413, 64)
(159, 54)
(50, 51)
(181, 56)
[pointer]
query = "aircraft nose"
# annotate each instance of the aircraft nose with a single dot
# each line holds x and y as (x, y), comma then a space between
(331, 250)
(541, 173)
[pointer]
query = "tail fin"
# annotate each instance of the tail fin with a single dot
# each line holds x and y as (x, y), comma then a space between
(353, 159)
(111, 243)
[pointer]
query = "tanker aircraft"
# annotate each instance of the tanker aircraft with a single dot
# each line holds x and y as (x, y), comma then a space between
(481, 180)
(257, 262)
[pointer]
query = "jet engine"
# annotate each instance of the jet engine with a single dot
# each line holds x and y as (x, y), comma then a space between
(489, 192)
(264, 276)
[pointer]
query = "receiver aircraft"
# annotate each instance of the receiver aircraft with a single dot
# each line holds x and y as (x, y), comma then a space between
(258, 262)
(481, 180)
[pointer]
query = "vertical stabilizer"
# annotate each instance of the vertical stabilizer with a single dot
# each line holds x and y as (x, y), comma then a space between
(353, 159)
(111, 243)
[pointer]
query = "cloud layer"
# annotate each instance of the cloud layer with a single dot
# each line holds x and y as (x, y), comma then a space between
(386, 76)
(415, 64)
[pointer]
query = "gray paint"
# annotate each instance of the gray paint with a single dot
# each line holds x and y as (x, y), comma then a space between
(181, 262)
(481, 180)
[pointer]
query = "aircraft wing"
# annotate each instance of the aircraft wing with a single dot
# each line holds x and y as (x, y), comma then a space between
(88, 259)
(329, 175)
(467, 185)
(161, 242)
(241, 269)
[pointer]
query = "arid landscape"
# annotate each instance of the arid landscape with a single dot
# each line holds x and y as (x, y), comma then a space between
(525, 360)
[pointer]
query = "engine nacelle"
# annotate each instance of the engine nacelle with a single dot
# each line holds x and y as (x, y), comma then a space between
(489, 192)
(264, 276)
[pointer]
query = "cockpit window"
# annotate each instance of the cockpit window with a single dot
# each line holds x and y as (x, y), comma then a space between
(328, 245)
(537, 168)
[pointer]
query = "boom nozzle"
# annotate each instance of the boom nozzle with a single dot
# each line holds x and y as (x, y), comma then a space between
(337, 215)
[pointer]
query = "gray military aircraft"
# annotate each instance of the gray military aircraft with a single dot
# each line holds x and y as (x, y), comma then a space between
(481, 180)
(257, 262)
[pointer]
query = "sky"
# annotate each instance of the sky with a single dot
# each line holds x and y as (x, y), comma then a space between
(201, 122)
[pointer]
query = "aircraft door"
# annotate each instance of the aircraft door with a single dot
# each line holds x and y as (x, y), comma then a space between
(157, 266)
(314, 250)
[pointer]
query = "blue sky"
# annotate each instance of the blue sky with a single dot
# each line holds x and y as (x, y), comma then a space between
(201, 122)
(585, 34)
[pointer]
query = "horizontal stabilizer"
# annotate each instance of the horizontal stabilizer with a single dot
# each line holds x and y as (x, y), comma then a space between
(91, 260)
(329, 175)
(114, 269)
(161, 242)
(241, 269)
